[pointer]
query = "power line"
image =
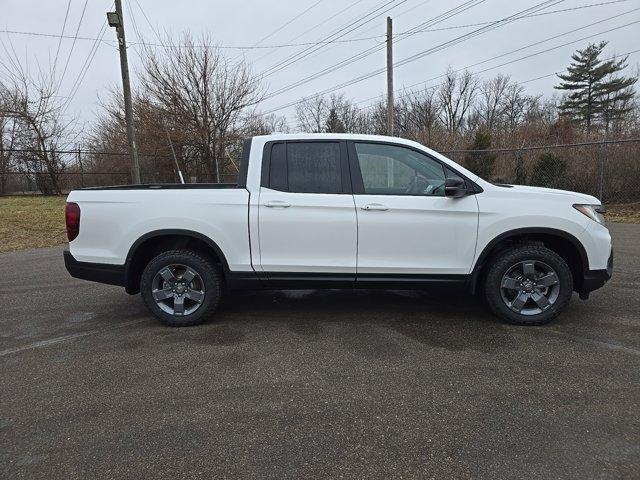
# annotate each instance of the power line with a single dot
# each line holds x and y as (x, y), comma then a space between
(289, 22)
(85, 67)
(377, 72)
(397, 15)
(520, 49)
(580, 7)
(350, 27)
(349, 6)
(335, 34)
(139, 35)
(222, 47)
(551, 12)
(148, 22)
(64, 25)
(313, 51)
(455, 41)
(526, 57)
(467, 36)
(75, 38)
(365, 53)
(299, 44)
(53, 35)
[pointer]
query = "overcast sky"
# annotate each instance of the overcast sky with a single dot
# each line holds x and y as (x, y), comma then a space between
(261, 23)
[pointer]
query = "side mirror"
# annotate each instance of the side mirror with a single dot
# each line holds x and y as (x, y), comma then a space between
(455, 188)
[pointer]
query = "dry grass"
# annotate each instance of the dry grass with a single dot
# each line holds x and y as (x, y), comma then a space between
(31, 222)
(623, 213)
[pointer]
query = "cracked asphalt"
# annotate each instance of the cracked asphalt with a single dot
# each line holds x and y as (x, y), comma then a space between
(311, 384)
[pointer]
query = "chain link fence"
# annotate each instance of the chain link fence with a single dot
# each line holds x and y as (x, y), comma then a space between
(608, 170)
(79, 171)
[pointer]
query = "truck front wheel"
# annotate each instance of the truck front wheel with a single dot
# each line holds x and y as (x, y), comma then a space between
(181, 287)
(528, 285)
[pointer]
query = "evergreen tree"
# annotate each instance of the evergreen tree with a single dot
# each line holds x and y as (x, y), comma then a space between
(334, 124)
(479, 162)
(595, 89)
(549, 171)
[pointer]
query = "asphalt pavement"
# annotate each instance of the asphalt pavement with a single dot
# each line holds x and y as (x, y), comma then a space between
(313, 384)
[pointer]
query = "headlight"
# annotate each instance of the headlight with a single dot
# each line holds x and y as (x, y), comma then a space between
(594, 212)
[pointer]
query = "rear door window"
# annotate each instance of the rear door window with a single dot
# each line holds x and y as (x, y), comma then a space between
(306, 167)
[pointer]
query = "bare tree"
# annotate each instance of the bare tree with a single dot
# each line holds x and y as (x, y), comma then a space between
(352, 118)
(8, 135)
(492, 100)
(199, 86)
(514, 106)
(424, 111)
(315, 114)
(456, 96)
(311, 114)
(259, 124)
(37, 129)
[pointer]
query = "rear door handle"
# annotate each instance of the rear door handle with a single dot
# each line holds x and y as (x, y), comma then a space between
(277, 204)
(375, 206)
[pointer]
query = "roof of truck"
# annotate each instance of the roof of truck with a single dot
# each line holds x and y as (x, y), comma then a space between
(333, 136)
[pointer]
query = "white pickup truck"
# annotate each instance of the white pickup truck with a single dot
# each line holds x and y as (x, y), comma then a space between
(340, 211)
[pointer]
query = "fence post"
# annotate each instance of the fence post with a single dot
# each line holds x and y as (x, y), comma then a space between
(601, 176)
(520, 173)
(81, 168)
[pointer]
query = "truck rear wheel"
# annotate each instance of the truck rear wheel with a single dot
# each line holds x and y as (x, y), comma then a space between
(528, 285)
(181, 287)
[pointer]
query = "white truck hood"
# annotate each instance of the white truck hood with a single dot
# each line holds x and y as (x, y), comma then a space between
(577, 197)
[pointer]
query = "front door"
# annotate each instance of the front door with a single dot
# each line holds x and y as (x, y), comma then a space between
(307, 219)
(406, 225)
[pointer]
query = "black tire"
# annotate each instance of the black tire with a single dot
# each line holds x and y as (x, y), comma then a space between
(508, 259)
(210, 278)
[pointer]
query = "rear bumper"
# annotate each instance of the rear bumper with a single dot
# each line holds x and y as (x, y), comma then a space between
(595, 279)
(95, 272)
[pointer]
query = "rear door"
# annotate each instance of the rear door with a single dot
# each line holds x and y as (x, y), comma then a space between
(307, 220)
(407, 227)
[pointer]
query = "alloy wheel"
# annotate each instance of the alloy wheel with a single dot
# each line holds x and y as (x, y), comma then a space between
(530, 287)
(178, 290)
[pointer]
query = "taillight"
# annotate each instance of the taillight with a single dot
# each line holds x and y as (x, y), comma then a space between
(72, 219)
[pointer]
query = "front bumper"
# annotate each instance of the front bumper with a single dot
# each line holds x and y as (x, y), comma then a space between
(595, 279)
(95, 272)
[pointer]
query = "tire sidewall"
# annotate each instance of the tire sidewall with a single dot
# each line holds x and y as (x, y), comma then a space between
(201, 266)
(503, 262)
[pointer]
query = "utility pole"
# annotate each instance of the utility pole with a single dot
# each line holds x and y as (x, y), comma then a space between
(116, 20)
(389, 76)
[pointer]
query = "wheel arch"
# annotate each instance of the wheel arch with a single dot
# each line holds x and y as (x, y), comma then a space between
(563, 243)
(152, 243)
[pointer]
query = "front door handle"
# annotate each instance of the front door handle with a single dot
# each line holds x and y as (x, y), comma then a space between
(277, 204)
(375, 206)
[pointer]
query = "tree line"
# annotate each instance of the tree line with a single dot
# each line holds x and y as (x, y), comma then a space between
(189, 96)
